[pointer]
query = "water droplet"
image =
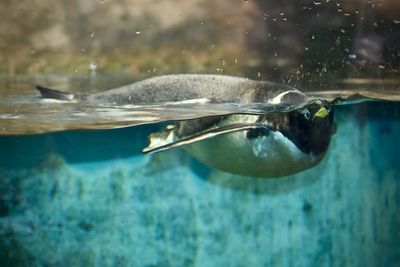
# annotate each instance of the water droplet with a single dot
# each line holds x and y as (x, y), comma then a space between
(93, 66)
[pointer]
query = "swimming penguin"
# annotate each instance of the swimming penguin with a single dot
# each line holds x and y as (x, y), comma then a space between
(188, 87)
(265, 145)
(269, 145)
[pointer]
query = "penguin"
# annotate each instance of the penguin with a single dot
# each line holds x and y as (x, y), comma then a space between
(181, 88)
(268, 145)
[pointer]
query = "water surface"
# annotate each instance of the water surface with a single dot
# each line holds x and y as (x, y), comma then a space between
(23, 111)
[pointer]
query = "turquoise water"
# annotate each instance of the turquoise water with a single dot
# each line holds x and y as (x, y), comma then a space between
(90, 198)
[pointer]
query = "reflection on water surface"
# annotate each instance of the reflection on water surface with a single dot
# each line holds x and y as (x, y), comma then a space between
(23, 111)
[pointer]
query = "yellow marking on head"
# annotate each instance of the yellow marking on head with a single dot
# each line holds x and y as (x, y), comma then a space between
(321, 113)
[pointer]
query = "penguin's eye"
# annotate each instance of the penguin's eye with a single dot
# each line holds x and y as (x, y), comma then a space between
(306, 113)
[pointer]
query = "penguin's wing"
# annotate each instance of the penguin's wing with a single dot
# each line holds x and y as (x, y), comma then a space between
(164, 140)
(343, 97)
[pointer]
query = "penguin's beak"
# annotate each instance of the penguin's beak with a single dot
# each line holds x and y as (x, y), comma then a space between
(321, 113)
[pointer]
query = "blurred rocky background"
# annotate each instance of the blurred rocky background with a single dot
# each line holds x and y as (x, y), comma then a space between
(291, 41)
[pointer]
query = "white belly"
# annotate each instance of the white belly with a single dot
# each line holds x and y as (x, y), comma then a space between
(269, 156)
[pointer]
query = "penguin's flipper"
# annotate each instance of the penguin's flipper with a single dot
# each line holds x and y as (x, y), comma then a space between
(159, 140)
(165, 140)
(54, 94)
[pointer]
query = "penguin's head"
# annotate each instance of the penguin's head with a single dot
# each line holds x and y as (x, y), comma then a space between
(310, 127)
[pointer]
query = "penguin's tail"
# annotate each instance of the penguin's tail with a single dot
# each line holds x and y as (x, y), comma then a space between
(59, 95)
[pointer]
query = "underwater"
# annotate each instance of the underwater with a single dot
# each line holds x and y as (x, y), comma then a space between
(200, 133)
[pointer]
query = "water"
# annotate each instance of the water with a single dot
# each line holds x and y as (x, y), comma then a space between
(90, 198)
(23, 111)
